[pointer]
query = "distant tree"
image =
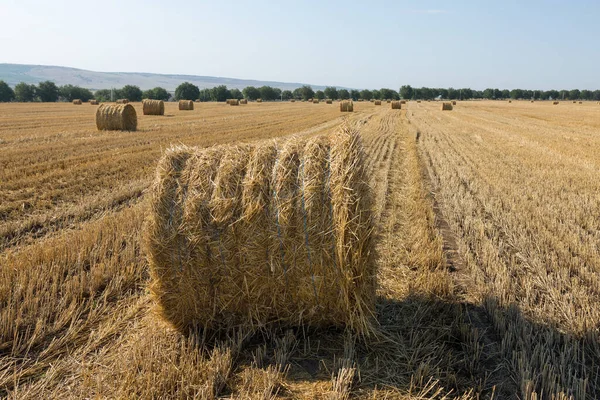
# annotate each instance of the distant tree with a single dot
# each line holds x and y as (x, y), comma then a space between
(563, 94)
(331, 92)
(131, 93)
(442, 92)
(157, 93)
(277, 92)
(453, 94)
(516, 94)
(70, 93)
(343, 94)
(102, 95)
(386, 93)
(287, 95)
(307, 92)
(465, 94)
(219, 93)
(354, 94)
(205, 95)
(366, 94)
(297, 93)
(251, 93)
(187, 91)
(376, 94)
(6, 92)
(586, 95)
(24, 92)
(47, 91)
(236, 94)
(551, 94)
(505, 94)
(574, 94)
(267, 93)
(596, 95)
(406, 92)
(527, 94)
(488, 94)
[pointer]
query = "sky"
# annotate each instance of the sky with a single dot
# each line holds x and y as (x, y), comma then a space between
(528, 44)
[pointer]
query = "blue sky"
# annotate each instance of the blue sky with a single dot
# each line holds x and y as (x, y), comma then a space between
(530, 44)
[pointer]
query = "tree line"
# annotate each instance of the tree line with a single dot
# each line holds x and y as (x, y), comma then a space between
(48, 91)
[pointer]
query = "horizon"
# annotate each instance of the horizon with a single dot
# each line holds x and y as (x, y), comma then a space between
(460, 44)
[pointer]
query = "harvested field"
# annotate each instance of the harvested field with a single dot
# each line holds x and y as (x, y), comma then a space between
(487, 256)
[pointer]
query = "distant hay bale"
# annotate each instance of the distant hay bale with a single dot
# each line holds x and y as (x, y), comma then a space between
(233, 102)
(269, 234)
(94, 102)
(388, 101)
(244, 101)
(77, 102)
(315, 101)
(581, 102)
(418, 101)
(328, 101)
(259, 100)
(186, 105)
(555, 103)
(116, 117)
(574, 102)
(122, 101)
(453, 102)
(446, 106)
(510, 101)
(153, 107)
(346, 106)
(292, 100)
(532, 101)
(372, 100)
(402, 101)
(377, 102)
(396, 105)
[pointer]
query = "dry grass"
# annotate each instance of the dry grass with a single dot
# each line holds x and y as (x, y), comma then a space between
(487, 253)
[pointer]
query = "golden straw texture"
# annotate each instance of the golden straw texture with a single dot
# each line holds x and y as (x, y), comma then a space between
(116, 117)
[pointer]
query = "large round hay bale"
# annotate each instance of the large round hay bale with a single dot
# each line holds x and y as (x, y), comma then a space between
(116, 117)
(555, 103)
(186, 105)
(292, 100)
(259, 100)
(270, 234)
(77, 102)
(454, 102)
(446, 106)
(244, 101)
(233, 102)
(315, 101)
(153, 107)
(328, 101)
(346, 106)
(377, 102)
(402, 101)
(122, 101)
(396, 105)
(94, 102)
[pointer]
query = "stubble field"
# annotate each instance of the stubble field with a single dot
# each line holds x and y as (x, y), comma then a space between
(488, 222)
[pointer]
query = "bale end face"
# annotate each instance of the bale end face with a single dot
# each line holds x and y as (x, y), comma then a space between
(396, 105)
(271, 234)
(454, 102)
(346, 106)
(233, 102)
(446, 106)
(116, 117)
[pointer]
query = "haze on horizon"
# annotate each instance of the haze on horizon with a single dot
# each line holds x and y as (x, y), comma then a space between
(511, 44)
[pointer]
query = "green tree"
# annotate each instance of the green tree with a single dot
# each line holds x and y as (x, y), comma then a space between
(220, 93)
(488, 94)
(574, 94)
(70, 93)
(586, 95)
(406, 92)
(132, 93)
(287, 95)
(6, 92)
(251, 93)
(277, 93)
(331, 93)
(47, 91)
(386, 93)
(453, 94)
(319, 94)
(236, 94)
(343, 94)
(157, 93)
(376, 94)
(307, 92)
(354, 94)
(102, 95)
(187, 91)
(267, 93)
(516, 94)
(205, 95)
(366, 94)
(24, 92)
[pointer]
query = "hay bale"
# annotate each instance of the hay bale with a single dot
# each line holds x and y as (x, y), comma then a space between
(418, 101)
(532, 101)
(454, 102)
(346, 106)
(510, 101)
(233, 102)
(244, 101)
(153, 107)
(77, 102)
(116, 117)
(377, 102)
(581, 102)
(315, 101)
(446, 106)
(122, 101)
(396, 105)
(259, 100)
(574, 102)
(275, 233)
(328, 101)
(402, 101)
(292, 100)
(94, 102)
(186, 105)
(388, 101)
(555, 103)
